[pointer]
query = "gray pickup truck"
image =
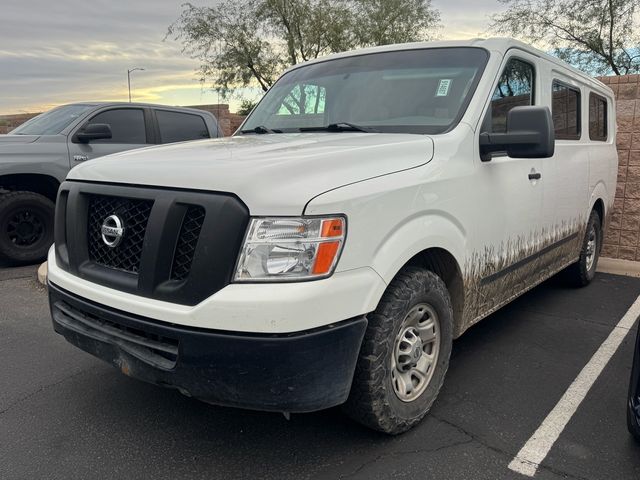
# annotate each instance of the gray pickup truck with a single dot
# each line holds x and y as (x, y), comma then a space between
(36, 157)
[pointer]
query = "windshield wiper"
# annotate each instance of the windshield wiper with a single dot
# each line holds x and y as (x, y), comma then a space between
(261, 129)
(341, 127)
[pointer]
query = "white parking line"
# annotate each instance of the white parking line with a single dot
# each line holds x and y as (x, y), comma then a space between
(537, 447)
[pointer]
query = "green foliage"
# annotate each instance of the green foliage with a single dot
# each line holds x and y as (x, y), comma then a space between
(383, 22)
(246, 106)
(243, 43)
(598, 36)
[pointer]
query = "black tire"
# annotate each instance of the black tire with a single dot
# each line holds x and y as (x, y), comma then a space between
(633, 420)
(26, 227)
(580, 274)
(373, 401)
(632, 423)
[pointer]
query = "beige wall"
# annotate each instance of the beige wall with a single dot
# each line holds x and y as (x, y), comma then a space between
(229, 122)
(622, 239)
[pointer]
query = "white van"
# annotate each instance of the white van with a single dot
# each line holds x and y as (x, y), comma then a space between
(373, 207)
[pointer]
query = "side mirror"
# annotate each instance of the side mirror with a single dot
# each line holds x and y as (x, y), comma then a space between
(94, 131)
(530, 134)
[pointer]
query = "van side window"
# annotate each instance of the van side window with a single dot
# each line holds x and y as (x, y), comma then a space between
(514, 89)
(597, 118)
(565, 108)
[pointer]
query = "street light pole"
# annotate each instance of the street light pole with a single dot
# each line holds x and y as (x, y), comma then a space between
(129, 79)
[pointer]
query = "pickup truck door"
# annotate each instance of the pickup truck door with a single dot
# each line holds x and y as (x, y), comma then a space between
(131, 128)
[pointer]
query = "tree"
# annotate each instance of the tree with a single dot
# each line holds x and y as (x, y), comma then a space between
(246, 106)
(242, 43)
(383, 22)
(599, 36)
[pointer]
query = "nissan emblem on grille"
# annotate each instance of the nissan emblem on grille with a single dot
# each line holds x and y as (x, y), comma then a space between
(112, 231)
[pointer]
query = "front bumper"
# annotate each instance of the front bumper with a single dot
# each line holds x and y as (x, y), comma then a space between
(264, 308)
(296, 372)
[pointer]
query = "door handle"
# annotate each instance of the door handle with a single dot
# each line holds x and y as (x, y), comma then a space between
(535, 176)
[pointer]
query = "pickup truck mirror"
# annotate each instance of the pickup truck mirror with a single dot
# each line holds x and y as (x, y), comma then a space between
(94, 131)
(530, 134)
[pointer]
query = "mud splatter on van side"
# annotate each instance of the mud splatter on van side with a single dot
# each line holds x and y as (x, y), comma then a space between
(499, 273)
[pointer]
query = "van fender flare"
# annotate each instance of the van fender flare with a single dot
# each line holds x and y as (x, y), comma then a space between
(599, 192)
(431, 229)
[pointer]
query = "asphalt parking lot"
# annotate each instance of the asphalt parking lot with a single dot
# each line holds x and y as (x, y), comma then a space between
(66, 415)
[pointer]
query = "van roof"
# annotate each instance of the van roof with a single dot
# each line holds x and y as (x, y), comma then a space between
(497, 45)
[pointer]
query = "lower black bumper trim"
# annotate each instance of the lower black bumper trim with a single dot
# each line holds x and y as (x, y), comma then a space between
(299, 372)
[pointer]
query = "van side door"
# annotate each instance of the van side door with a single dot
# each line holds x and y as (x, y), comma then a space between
(131, 127)
(566, 197)
(509, 198)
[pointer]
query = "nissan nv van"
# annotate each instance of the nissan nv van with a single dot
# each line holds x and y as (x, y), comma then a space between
(373, 207)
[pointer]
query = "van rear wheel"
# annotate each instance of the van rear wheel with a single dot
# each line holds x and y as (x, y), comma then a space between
(405, 353)
(582, 272)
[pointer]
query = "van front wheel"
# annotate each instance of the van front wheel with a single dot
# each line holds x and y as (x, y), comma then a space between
(404, 355)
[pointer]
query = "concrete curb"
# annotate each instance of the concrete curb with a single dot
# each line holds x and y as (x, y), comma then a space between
(42, 274)
(619, 267)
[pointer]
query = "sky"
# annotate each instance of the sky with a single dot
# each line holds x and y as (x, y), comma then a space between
(56, 52)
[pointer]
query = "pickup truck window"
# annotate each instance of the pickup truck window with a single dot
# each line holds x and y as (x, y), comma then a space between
(52, 122)
(180, 127)
(127, 125)
(410, 91)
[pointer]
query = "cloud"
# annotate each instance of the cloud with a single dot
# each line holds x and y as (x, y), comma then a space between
(465, 19)
(61, 52)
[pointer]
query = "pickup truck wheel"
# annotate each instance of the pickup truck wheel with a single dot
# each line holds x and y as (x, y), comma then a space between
(404, 355)
(582, 272)
(26, 227)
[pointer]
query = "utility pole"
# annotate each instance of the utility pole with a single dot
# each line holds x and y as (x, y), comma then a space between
(129, 79)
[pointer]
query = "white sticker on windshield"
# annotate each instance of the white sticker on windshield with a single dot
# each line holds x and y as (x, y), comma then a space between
(443, 87)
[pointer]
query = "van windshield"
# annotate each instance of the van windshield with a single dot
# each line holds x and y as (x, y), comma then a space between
(408, 91)
(51, 122)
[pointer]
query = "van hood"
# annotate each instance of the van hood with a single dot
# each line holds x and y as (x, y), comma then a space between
(274, 174)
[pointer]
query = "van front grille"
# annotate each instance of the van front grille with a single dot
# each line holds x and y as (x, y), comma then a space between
(187, 241)
(134, 214)
(177, 246)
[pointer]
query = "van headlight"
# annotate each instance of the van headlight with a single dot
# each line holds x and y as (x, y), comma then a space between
(280, 249)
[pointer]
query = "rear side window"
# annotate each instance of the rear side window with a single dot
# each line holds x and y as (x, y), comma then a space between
(127, 126)
(514, 89)
(597, 118)
(565, 107)
(180, 127)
